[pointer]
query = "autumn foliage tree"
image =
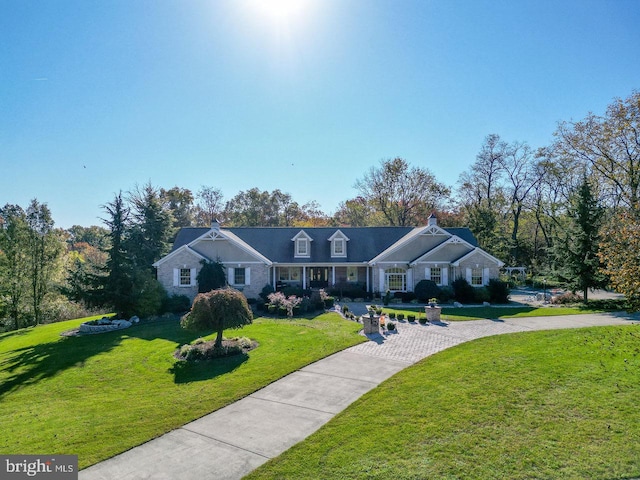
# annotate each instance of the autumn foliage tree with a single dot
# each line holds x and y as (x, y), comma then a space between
(619, 253)
(217, 310)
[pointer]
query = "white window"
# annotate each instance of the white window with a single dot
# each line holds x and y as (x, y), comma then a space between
(396, 279)
(239, 276)
(436, 275)
(338, 248)
(184, 277)
(302, 247)
(476, 277)
(289, 274)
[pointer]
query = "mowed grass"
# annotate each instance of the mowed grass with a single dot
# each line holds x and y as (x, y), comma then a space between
(476, 313)
(99, 395)
(554, 404)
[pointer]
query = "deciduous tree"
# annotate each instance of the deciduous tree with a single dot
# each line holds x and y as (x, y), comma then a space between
(619, 253)
(610, 146)
(403, 194)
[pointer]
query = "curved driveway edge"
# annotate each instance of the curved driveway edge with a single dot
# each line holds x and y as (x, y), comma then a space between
(233, 441)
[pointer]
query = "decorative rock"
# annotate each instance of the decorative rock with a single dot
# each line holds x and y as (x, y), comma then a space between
(457, 304)
(134, 319)
(486, 304)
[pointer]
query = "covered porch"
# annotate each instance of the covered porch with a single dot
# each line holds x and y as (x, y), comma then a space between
(321, 276)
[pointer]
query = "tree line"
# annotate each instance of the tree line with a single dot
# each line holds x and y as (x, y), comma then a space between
(568, 211)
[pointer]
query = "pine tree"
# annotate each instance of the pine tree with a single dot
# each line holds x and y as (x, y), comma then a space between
(577, 252)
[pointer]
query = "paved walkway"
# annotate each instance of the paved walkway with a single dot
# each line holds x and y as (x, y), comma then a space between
(233, 441)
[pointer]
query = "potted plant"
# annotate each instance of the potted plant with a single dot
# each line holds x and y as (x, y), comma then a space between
(433, 302)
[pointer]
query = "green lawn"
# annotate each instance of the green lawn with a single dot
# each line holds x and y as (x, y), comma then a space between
(553, 404)
(98, 395)
(476, 313)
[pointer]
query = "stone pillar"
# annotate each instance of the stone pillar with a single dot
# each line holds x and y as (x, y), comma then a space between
(371, 323)
(433, 313)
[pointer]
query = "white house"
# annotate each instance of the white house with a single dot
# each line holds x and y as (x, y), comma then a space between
(375, 259)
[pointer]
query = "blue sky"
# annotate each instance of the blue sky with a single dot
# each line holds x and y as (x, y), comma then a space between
(98, 96)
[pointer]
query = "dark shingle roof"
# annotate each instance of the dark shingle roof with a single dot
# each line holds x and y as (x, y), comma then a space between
(275, 243)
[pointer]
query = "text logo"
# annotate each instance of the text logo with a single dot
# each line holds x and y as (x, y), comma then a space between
(46, 467)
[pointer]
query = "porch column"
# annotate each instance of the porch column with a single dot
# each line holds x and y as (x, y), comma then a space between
(273, 283)
(368, 285)
(333, 275)
(304, 277)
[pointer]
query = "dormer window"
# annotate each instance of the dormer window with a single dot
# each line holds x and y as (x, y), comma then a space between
(302, 245)
(338, 244)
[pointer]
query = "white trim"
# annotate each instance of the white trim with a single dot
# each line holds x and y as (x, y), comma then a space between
(454, 240)
(400, 243)
(481, 252)
(183, 248)
(338, 233)
(334, 242)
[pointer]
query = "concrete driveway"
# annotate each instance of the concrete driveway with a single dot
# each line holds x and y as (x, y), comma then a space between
(233, 441)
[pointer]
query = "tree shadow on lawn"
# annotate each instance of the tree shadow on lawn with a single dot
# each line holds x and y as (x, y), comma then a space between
(186, 372)
(31, 364)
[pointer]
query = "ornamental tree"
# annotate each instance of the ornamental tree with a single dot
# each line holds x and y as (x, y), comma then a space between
(217, 310)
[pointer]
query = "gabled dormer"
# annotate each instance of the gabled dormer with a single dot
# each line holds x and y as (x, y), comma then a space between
(338, 244)
(302, 245)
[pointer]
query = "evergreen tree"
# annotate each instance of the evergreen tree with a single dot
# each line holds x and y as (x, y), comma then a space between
(211, 276)
(151, 228)
(117, 285)
(577, 252)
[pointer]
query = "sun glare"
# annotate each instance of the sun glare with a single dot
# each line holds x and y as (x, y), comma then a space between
(280, 11)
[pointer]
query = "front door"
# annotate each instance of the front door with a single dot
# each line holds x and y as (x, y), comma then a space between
(318, 277)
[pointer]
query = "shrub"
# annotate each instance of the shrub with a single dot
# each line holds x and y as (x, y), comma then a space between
(422, 320)
(272, 309)
(463, 292)
(408, 297)
(387, 298)
(498, 291)
(400, 316)
(345, 308)
(391, 326)
(392, 315)
(411, 318)
(426, 289)
(348, 291)
(266, 290)
(176, 304)
(293, 292)
(149, 298)
(481, 294)
(285, 306)
(446, 294)
(567, 297)
(329, 302)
